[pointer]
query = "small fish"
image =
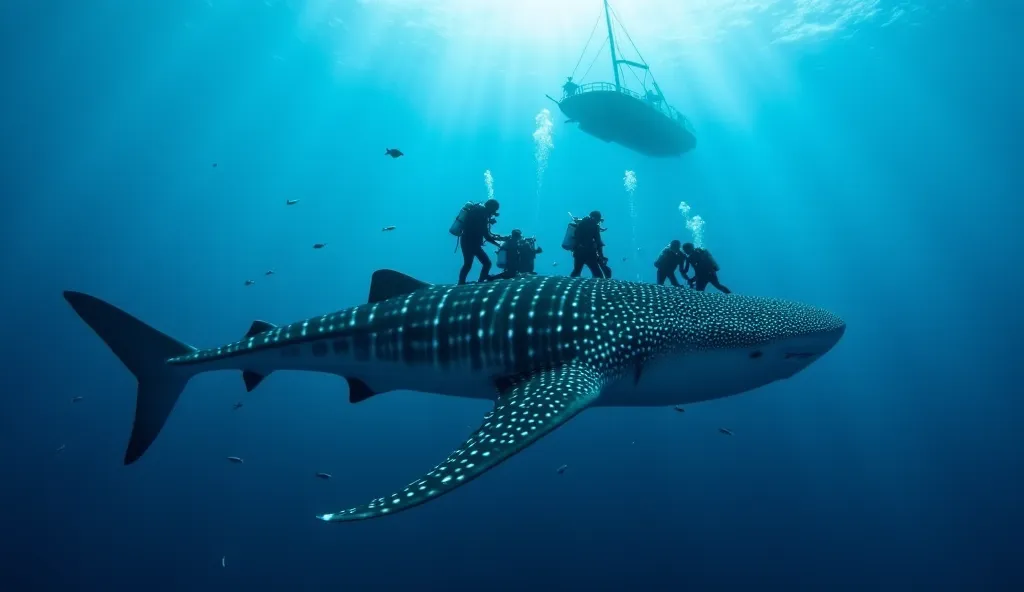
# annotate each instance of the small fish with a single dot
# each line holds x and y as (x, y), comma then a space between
(237, 406)
(679, 408)
(235, 459)
(562, 469)
(214, 165)
(624, 259)
(250, 282)
(319, 245)
(62, 447)
(554, 264)
(224, 561)
(324, 476)
(77, 399)
(291, 202)
(269, 272)
(725, 431)
(387, 229)
(393, 152)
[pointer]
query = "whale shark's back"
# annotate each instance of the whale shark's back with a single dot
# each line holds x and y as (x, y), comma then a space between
(505, 326)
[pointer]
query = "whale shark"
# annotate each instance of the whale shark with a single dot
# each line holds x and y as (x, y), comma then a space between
(542, 348)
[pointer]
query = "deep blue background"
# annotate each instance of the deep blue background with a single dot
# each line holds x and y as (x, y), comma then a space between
(877, 176)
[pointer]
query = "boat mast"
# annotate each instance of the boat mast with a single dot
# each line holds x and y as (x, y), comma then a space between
(611, 46)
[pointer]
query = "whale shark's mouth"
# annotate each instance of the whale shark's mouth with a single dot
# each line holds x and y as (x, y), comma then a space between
(801, 355)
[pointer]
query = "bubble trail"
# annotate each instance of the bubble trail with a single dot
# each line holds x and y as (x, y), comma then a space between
(629, 182)
(543, 144)
(695, 224)
(489, 181)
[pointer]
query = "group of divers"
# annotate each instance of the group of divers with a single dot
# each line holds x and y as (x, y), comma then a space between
(517, 254)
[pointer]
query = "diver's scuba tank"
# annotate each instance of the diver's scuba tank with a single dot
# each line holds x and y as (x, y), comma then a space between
(712, 264)
(662, 259)
(527, 255)
(459, 225)
(502, 262)
(569, 240)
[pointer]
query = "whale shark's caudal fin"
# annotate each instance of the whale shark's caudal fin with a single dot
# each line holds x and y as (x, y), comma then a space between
(528, 409)
(386, 283)
(144, 351)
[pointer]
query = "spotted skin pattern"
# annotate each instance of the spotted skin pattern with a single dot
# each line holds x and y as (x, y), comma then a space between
(510, 327)
(548, 346)
(527, 412)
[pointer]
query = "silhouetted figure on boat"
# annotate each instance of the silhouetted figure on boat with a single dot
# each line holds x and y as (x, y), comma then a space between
(570, 88)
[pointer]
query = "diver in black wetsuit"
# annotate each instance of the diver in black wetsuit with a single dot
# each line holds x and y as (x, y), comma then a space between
(671, 258)
(589, 249)
(476, 230)
(705, 268)
(520, 254)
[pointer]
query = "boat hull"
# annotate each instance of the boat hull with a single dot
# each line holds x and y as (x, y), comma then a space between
(633, 123)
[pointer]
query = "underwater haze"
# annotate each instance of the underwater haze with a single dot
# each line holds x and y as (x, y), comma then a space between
(858, 155)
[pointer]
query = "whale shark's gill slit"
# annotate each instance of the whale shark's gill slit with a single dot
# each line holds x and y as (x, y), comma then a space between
(440, 343)
(361, 344)
(529, 410)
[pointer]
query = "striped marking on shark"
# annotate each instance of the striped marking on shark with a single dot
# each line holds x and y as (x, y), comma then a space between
(543, 348)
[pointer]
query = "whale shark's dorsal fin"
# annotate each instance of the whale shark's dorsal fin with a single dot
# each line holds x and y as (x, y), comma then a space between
(530, 409)
(387, 283)
(358, 391)
(258, 327)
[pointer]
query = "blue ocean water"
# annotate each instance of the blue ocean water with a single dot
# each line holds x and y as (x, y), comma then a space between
(859, 155)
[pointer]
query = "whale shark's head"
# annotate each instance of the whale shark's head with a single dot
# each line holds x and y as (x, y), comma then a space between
(720, 345)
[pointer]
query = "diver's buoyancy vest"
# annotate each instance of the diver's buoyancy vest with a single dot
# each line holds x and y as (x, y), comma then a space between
(665, 258)
(703, 261)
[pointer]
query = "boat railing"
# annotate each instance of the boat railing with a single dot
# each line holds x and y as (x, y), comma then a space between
(660, 106)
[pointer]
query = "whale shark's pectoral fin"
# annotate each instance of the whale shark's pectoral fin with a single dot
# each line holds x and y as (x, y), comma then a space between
(529, 410)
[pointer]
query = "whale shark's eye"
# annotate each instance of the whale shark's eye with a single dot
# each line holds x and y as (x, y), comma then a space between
(756, 354)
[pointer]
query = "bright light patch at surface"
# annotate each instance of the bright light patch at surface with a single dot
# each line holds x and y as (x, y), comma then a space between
(665, 20)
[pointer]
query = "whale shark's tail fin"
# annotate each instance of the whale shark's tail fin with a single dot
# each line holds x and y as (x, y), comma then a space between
(144, 351)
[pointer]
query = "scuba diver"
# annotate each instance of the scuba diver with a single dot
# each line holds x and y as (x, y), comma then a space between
(671, 258)
(473, 227)
(517, 256)
(583, 238)
(705, 269)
